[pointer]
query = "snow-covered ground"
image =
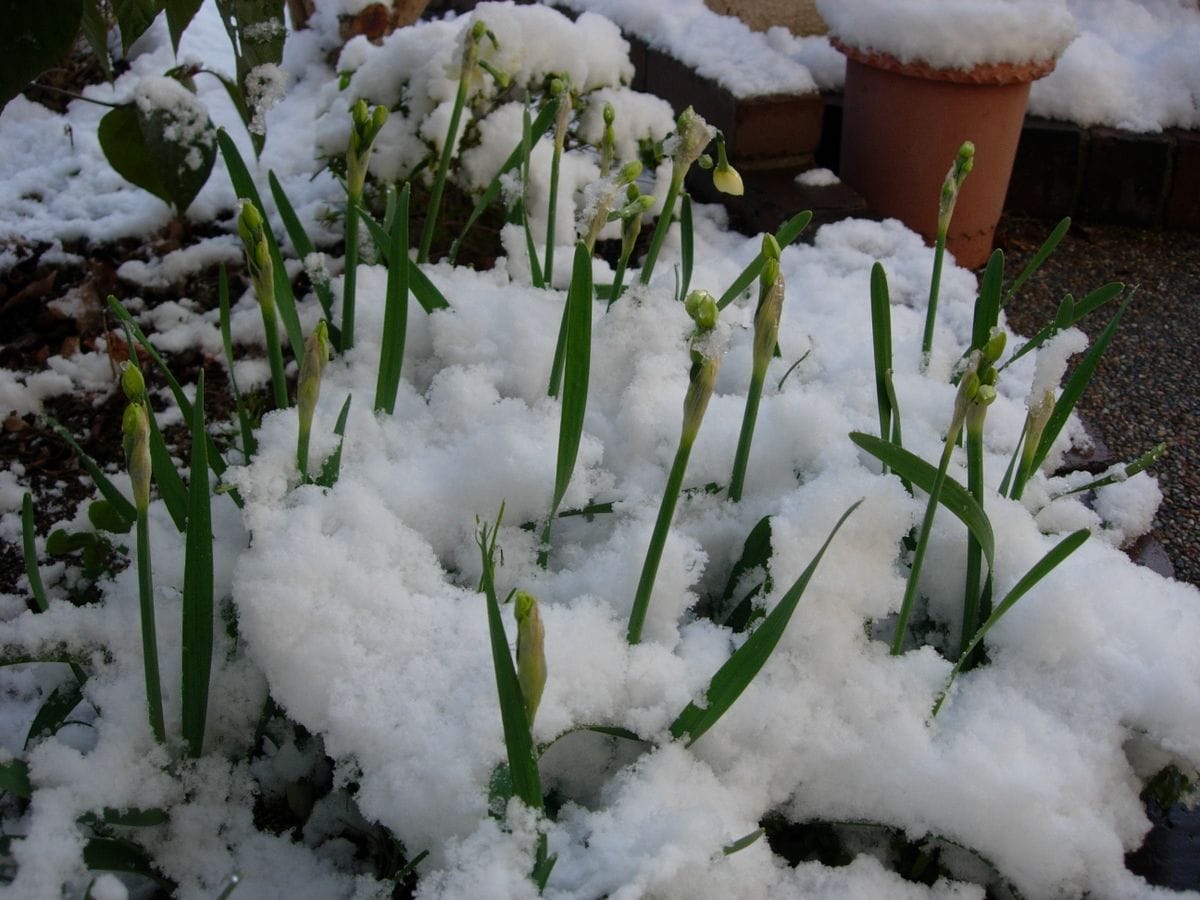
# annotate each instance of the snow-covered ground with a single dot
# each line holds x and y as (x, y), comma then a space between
(357, 606)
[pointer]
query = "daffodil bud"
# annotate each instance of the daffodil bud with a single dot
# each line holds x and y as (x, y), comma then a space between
(766, 320)
(608, 141)
(135, 432)
(312, 366)
(970, 385)
(365, 127)
(308, 389)
(964, 161)
(629, 172)
(692, 135)
(700, 388)
(725, 177)
(994, 348)
(258, 255)
(702, 307)
(985, 395)
(133, 384)
(531, 652)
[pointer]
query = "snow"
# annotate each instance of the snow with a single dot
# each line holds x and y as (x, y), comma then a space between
(953, 34)
(1132, 63)
(357, 606)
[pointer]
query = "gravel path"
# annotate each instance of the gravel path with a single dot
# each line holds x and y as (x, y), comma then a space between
(1145, 390)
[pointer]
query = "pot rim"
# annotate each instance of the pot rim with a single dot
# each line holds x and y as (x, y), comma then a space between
(1001, 73)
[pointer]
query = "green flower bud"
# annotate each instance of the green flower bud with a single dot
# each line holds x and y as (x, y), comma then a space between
(478, 30)
(531, 652)
(985, 395)
(258, 255)
(312, 366)
(693, 135)
(557, 86)
(964, 161)
(970, 385)
(768, 276)
(770, 247)
(629, 172)
(766, 320)
(610, 114)
(994, 348)
(702, 307)
(133, 384)
(700, 389)
(705, 162)
(135, 431)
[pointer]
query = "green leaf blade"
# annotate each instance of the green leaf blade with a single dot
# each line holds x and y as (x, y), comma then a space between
(741, 668)
(197, 588)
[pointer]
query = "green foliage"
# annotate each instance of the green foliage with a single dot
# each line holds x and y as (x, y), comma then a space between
(741, 668)
(395, 315)
(197, 588)
(257, 32)
(168, 152)
(37, 36)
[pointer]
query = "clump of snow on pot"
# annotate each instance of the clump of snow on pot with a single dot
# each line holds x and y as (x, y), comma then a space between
(953, 34)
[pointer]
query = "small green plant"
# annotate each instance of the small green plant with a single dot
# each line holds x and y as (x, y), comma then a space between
(262, 275)
(766, 332)
(702, 307)
(136, 429)
(963, 163)
(365, 126)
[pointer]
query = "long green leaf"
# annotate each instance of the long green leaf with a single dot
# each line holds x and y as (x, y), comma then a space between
(107, 489)
(197, 588)
(746, 662)
(954, 497)
(1091, 302)
(304, 248)
(395, 315)
(54, 711)
(788, 232)
(1040, 570)
(756, 554)
(92, 25)
(1075, 386)
(36, 587)
(422, 288)
(243, 186)
(332, 467)
(1059, 232)
(117, 855)
(576, 342)
(518, 742)
(987, 305)
(881, 343)
(687, 246)
(249, 444)
(539, 127)
(577, 369)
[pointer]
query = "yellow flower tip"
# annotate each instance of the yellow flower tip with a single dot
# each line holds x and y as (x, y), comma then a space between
(727, 180)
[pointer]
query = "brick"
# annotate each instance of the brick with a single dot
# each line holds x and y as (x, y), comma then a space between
(777, 129)
(1125, 177)
(1047, 169)
(1183, 198)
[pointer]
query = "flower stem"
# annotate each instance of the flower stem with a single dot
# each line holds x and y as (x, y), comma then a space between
(439, 179)
(660, 229)
(350, 276)
(666, 512)
(742, 457)
(973, 614)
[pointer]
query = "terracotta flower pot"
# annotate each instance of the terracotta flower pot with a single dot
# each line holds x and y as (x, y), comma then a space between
(903, 124)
